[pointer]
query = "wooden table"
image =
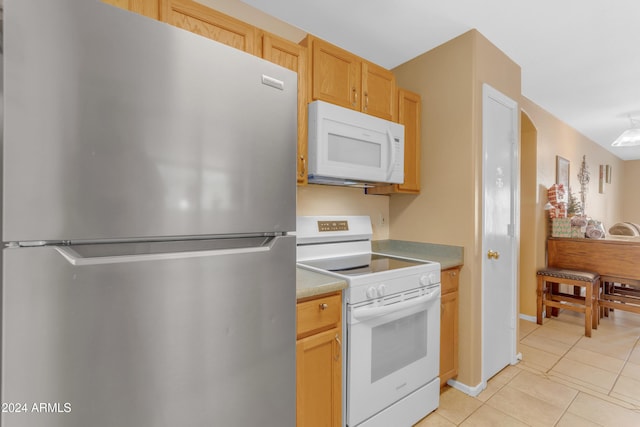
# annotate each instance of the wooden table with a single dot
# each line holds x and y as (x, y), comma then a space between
(615, 258)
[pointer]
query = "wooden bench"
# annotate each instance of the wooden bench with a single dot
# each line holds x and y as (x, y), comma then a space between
(615, 258)
(550, 296)
(619, 293)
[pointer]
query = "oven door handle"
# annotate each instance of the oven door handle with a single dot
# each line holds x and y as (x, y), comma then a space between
(364, 313)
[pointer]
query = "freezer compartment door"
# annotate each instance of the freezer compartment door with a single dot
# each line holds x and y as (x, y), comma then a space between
(202, 336)
(120, 126)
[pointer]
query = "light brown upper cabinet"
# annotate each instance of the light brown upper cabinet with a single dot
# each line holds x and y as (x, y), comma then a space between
(342, 78)
(199, 19)
(409, 115)
(294, 57)
(149, 8)
(378, 91)
(409, 112)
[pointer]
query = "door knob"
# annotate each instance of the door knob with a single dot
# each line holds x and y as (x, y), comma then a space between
(493, 254)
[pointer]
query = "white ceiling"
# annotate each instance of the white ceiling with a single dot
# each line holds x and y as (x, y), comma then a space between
(580, 59)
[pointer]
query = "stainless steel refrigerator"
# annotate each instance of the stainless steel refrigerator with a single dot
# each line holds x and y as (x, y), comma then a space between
(148, 261)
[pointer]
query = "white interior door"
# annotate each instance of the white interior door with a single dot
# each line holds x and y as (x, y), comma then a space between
(500, 230)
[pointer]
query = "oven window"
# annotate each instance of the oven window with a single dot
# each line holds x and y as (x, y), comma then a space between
(397, 344)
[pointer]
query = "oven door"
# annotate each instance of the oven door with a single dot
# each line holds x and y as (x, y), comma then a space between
(393, 349)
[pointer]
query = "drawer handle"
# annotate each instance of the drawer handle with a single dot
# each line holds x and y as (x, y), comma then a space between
(324, 306)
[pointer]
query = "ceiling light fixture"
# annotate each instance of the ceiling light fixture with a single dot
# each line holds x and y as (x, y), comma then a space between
(630, 137)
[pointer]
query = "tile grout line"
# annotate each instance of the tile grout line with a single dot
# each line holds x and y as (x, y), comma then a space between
(548, 374)
(566, 410)
(622, 369)
(562, 356)
(483, 403)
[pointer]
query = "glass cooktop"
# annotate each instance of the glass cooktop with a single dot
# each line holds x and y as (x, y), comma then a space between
(356, 265)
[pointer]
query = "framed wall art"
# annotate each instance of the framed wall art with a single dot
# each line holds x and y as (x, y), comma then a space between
(562, 172)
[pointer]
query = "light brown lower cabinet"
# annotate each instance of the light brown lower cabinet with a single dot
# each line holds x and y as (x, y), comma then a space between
(449, 325)
(319, 361)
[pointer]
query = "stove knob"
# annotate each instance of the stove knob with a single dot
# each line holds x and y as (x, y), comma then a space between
(424, 280)
(434, 278)
(372, 293)
(382, 290)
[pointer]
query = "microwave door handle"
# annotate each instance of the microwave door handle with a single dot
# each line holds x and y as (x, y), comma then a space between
(392, 161)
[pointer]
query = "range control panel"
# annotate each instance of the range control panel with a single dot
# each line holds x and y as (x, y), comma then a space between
(333, 226)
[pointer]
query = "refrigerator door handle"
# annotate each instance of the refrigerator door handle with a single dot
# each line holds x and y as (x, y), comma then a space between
(76, 258)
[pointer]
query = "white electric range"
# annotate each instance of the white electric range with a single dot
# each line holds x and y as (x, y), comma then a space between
(391, 321)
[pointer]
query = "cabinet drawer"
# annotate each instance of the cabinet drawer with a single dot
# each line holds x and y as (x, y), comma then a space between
(449, 280)
(319, 313)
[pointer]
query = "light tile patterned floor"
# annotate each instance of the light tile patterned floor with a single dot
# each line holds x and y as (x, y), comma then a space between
(564, 379)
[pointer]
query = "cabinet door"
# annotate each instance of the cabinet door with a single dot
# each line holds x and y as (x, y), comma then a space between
(149, 8)
(449, 325)
(449, 280)
(294, 57)
(409, 114)
(448, 337)
(318, 372)
(378, 91)
(336, 75)
(199, 19)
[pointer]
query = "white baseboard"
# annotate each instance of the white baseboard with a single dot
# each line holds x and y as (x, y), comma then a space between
(471, 391)
(474, 391)
(529, 318)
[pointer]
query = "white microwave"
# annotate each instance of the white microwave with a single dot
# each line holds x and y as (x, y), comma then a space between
(347, 147)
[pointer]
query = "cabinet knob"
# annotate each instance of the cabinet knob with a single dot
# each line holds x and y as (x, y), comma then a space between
(324, 306)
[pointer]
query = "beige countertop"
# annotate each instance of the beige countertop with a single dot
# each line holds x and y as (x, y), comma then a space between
(310, 283)
(448, 256)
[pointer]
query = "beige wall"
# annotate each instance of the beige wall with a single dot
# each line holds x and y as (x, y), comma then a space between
(630, 191)
(556, 138)
(449, 79)
(330, 200)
